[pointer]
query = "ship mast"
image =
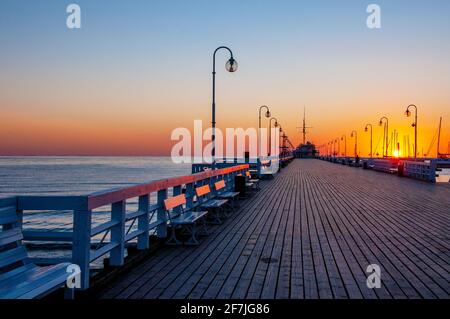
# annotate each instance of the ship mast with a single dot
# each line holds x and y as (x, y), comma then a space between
(304, 125)
(439, 137)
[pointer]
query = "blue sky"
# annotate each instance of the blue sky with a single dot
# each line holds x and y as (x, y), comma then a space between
(154, 56)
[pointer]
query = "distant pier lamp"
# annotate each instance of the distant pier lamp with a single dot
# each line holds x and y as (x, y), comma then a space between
(355, 135)
(408, 113)
(270, 132)
(366, 130)
(267, 114)
(281, 138)
(334, 148)
(339, 146)
(344, 138)
(385, 135)
(230, 66)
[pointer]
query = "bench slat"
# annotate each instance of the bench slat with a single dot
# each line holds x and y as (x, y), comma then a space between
(15, 272)
(8, 215)
(10, 236)
(25, 280)
(219, 185)
(34, 282)
(228, 194)
(188, 218)
(202, 190)
(12, 256)
(214, 203)
(173, 202)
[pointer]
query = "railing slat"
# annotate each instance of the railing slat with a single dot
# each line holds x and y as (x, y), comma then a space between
(48, 236)
(102, 227)
(135, 234)
(102, 250)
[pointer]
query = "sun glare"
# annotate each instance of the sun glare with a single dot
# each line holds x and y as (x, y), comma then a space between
(396, 153)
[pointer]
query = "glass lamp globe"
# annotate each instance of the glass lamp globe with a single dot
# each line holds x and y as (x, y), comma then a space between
(268, 114)
(231, 65)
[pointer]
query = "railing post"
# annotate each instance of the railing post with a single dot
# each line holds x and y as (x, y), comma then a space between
(143, 240)
(81, 245)
(118, 234)
(161, 230)
(189, 195)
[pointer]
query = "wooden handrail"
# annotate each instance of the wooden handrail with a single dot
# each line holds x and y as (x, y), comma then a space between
(150, 218)
(102, 198)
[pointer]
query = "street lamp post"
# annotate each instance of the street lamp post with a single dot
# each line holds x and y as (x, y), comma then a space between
(281, 138)
(339, 146)
(408, 113)
(365, 129)
(231, 66)
(259, 132)
(270, 132)
(334, 148)
(385, 135)
(354, 133)
(344, 138)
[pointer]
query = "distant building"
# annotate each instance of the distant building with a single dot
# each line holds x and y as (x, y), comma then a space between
(307, 150)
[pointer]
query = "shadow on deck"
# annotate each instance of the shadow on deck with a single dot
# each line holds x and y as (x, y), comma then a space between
(311, 233)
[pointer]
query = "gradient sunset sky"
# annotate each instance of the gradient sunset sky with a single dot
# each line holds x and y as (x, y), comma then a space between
(138, 69)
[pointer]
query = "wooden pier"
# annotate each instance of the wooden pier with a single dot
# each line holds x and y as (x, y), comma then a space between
(311, 232)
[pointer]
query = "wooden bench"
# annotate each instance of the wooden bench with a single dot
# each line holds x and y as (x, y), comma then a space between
(186, 220)
(253, 182)
(19, 278)
(206, 201)
(223, 193)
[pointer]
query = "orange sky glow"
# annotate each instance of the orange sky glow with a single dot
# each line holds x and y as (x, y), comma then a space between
(121, 89)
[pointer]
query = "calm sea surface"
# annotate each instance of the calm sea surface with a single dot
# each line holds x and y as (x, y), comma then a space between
(78, 176)
(81, 175)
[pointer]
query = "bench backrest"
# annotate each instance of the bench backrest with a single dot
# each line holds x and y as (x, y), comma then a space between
(12, 253)
(202, 190)
(174, 202)
(219, 185)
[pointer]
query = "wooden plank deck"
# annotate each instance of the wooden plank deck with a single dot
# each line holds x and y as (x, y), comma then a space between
(310, 233)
